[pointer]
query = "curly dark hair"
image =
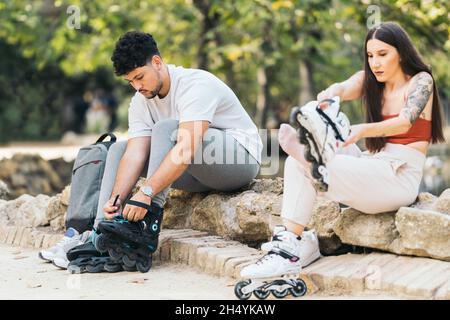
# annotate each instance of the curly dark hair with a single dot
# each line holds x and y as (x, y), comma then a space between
(133, 50)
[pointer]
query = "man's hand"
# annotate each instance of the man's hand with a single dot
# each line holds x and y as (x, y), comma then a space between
(109, 210)
(133, 213)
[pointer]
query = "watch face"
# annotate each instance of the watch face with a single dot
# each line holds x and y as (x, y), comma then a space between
(147, 190)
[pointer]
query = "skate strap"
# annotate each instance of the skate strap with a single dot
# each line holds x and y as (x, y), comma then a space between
(139, 204)
(327, 100)
(330, 122)
(152, 208)
(284, 254)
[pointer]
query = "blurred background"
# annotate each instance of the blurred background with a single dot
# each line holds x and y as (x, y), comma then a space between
(57, 85)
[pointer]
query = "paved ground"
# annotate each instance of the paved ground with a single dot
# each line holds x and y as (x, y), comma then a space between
(24, 276)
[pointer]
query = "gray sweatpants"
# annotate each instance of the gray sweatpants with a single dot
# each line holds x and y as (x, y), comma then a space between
(200, 176)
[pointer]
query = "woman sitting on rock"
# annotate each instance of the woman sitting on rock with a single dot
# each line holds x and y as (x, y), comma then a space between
(403, 116)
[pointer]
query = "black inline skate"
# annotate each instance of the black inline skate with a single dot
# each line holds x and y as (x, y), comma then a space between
(86, 258)
(131, 243)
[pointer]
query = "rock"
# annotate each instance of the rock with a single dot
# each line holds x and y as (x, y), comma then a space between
(30, 174)
(65, 196)
(55, 208)
(216, 214)
(410, 231)
(3, 213)
(4, 191)
(248, 214)
(11, 208)
(442, 204)
(266, 185)
(247, 217)
(423, 233)
(179, 207)
(366, 230)
(254, 212)
(63, 169)
(326, 214)
(58, 224)
(33, 213)
(425, 200)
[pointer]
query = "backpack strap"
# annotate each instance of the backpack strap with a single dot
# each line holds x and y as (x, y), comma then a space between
(109, 134)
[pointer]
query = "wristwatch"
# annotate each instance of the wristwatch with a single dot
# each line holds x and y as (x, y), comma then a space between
(147, 190)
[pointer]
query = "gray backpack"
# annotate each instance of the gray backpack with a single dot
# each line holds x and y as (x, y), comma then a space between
(87, 175)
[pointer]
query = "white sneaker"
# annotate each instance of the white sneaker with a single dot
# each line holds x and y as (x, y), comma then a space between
(271, 265)
(283, 258)
(309, 244)
(58, 252)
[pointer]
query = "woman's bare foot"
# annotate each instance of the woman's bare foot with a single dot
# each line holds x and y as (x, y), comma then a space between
(287, 137)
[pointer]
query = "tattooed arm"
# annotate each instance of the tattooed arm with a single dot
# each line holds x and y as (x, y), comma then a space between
(419, 93)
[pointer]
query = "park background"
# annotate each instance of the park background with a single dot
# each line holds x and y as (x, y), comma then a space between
(56, 76)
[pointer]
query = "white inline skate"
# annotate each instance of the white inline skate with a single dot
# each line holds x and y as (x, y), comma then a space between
(322, 132)
(277, 272)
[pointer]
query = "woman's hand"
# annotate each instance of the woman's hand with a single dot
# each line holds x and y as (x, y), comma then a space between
(357, 132)
(134, 213)
(329, 93)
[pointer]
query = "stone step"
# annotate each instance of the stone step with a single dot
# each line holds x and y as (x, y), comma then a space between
(373, 273)
(410, 277)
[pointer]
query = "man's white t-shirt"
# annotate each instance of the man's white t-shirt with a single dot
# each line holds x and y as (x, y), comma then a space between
(195, 95)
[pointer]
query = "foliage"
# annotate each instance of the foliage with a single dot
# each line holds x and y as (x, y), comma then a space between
(259, 47)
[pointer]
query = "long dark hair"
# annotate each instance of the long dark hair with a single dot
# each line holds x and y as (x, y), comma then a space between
(411, 63)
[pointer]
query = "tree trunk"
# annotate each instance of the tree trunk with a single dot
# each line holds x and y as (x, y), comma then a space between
(263, 98)
(305, 76)
(209, 23)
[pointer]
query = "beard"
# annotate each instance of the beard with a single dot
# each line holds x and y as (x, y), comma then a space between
(156, 91)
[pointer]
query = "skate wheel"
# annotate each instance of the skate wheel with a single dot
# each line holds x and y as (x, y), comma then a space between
(112, 267)
(307, 154)
(302, 135)
(125, 268)
(293, 116)
(300, 289)
(95, 268)
(74, 269)
(261, 293)
(144, 266)
(101, 243)
(280, 294)
(115, 254)
(238, 290)
(129, 262)
(315, 171)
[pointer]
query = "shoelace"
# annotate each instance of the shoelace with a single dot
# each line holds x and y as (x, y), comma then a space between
(267, 257)
(65, 240)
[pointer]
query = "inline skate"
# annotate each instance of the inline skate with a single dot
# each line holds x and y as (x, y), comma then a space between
(322, 132)
(131, 243)
(278, 271)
